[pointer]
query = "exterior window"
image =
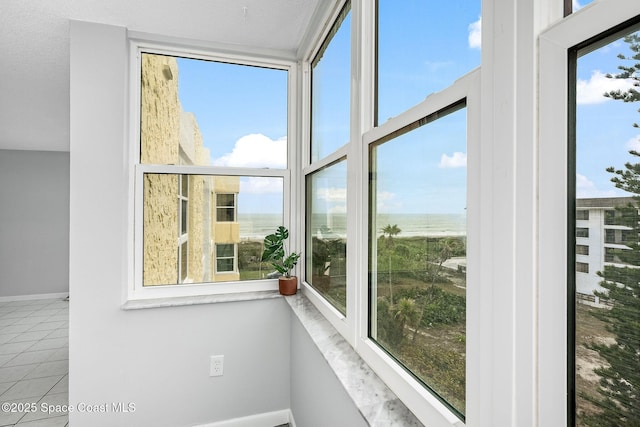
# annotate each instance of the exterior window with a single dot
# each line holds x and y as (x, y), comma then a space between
(582, 215)
(225, 258)
(607, 299)
(330, 83)
(582, 232)
(200, 122)
(327, 232)
(582, 250)
(417, 265)
(432, 56)
(225, 207)
(582, 267)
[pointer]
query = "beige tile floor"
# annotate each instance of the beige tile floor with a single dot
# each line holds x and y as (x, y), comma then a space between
(34, 363)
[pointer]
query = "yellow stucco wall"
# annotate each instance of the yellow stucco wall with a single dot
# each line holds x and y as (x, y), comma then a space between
(170, 136)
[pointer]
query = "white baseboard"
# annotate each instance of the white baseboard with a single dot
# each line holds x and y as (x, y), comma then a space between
(268, 419)
(36, 296)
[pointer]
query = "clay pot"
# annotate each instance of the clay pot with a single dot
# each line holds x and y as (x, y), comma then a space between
(288, 285)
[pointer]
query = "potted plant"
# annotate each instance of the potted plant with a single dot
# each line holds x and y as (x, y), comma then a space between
(275, 252)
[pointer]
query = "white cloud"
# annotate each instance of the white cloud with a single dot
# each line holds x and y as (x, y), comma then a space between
(576, 5)
(475, 34)
(592, 91)
(386, 201)
(256, 151)
(332, 194)
(260, 185)
(457, 160)
(633, 143)
(585, 188)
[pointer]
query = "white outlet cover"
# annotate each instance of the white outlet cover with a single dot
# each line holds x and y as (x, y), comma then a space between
(216, 366)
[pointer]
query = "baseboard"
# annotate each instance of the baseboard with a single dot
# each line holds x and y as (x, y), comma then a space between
(268, 419)
(35, 296)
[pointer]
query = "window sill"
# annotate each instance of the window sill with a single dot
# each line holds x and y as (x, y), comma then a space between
(198, 299)
(376, 402)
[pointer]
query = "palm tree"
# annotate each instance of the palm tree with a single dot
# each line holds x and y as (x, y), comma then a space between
(405, 313)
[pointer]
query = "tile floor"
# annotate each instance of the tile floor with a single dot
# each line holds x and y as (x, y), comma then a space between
(34, 363)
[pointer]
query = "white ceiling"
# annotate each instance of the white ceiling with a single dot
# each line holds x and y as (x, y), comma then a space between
(34, 48)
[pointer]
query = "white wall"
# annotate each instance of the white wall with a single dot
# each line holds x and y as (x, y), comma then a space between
(155, 358)
(317, 397)
(34, 222)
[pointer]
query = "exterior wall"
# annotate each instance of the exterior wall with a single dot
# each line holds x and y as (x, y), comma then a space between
(172, 136)
(587, 283)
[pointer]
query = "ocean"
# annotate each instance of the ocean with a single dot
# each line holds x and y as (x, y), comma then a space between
(256, 226)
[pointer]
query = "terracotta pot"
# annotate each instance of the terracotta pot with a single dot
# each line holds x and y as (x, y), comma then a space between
(288, 285)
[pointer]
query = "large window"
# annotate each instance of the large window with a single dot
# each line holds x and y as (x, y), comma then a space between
(326, 173)
(417, 235)
(213, 172)
(606, 296)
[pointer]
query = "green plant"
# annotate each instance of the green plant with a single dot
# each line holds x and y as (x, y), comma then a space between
(275, 252)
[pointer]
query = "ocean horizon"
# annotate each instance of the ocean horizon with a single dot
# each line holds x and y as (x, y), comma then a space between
(257, 226)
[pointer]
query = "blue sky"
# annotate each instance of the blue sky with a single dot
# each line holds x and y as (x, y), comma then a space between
(604, 131)
(241, 111)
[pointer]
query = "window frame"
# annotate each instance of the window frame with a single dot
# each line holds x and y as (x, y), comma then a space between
(555, 352)
(233, 207)
(408, 389)
(138, 46)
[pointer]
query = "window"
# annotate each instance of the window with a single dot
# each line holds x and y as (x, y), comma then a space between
(582, 267)
(582, 250)
(326, 174)
(582, 232)
(225, 258)
(326, 233)
(607, 336)
(226, 207)
(213, 169)
(418, 250)
(330, 90)
(582, 215)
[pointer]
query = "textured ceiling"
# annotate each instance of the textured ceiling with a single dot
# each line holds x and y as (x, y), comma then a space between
(34, 49)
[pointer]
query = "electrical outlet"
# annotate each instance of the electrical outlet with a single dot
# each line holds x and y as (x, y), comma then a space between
(216, 367)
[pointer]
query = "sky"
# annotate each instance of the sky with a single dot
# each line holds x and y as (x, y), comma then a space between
(242, 112)
(604, 127)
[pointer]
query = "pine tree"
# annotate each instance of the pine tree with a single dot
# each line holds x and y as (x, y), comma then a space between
(619, 385)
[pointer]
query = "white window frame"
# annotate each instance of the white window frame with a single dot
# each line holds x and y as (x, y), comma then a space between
(234, 207)
(428, 408)
(144, 43)
(555, 43)
(234, 258)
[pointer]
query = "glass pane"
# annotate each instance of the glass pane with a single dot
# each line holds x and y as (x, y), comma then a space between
(225, 214)
(330, 90)
(607, 274)
(327, 233)
(196, 112)
(423, 47)
(579, 4)
(225, 251)
(259, 210)
(224, 265)
(417, 239)
(183, 216)
(226, 200)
